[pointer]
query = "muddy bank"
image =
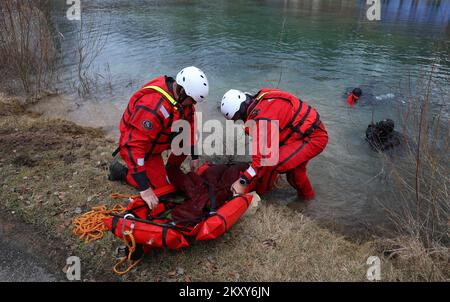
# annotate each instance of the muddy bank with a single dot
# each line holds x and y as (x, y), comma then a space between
(53, 170)
(47, 179)
(100, 115)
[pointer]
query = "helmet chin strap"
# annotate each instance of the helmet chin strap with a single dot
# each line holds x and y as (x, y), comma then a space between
(249, 99)
(241, 114)
(178, 89)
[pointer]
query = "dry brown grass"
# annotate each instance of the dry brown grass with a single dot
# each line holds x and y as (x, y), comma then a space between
(275, 244)
(417, 263)
(420, 182)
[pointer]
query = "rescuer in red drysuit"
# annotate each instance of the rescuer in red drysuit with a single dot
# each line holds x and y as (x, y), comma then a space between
(354, 96)
(145, 129)
(302, 136)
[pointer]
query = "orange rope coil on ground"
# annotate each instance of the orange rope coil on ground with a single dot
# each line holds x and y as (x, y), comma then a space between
(89, 226)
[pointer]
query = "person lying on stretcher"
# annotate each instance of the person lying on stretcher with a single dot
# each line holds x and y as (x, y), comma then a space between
(213, 185)
(203, 192)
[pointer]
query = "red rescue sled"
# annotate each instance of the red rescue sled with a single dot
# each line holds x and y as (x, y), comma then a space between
(155, 229)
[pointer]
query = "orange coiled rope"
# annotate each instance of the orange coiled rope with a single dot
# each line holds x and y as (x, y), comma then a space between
(89, 226)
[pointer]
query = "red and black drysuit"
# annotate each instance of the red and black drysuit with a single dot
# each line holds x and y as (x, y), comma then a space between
(145, 132)
(204, 193)
(302, 136)
(352, 99)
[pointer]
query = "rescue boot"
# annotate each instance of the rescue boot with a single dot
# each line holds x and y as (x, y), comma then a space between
(117, 172)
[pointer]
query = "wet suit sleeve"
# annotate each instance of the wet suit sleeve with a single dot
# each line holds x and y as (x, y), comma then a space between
(261, 144)
(145, 128)
(262, 138)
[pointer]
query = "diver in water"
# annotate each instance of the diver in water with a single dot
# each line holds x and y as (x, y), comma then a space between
(381, 136)
(356, 96)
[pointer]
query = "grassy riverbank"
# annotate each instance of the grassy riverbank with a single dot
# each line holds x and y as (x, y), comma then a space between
(52, 170)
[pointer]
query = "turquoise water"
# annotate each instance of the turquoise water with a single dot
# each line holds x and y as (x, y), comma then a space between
(316, 49)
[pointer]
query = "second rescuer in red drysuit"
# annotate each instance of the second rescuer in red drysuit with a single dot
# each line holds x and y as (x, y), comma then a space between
(354, 96)
(302, 136)
(145, 129)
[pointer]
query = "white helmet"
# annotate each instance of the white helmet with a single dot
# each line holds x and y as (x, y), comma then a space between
(231, 102)
(194, 82)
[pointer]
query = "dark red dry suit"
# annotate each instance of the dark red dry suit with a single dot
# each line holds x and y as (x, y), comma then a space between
(205, 192)
(145, 132)
(302, 136)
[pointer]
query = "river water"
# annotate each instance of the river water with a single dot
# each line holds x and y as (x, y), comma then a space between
(316, 49)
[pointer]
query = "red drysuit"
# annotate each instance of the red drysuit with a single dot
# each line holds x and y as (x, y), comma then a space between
(145, 132)
(302, 136)
(352, 99)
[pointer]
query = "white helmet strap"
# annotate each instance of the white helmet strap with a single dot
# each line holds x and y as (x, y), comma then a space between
(242, 112)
